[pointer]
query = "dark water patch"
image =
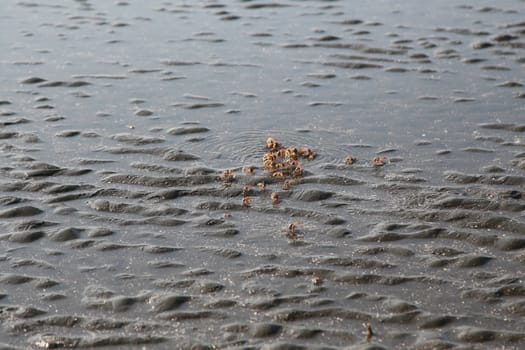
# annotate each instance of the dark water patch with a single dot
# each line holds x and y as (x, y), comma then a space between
(54, 118)
(44, 106)
(291, 315)
(351, 262)
(503, 126)
(187, 130)
(21, 211)
(224, 252)
(179, 63)
(64, 188)
(144, 71)
(462, 178)
(387, 280)
(6, 278)
(463, 99)
(31, 224)
(168, 302)
(163, 264)
(23, 236)
(510, 84)
(143, 113)
(353, 65)
(116, 207)
(155, 220)
(396, 70)
(395, 251)
(477, 150)
(221, 304)
(151, 181)
(360, 77)
(496, 68)
(462, 31)
(14, 121)
(10, 200)
(382, 236)
(68, 133)
(482, 204)
(198, 105)
(55, 341)
(310, 84)
(264, 330)
(156, 249)
(71, 197)
(32, 80)
(510, 243)
(493, 168)
(178, 155)
(66, 234)
(80, 94)
(166, 170)
(21, 263)
(259, 5)
(100, 76)
(361, 48)
(311, 195)
(494, 139)
(226, 233)
(6, 113)
(38, 170)
(294, 46)
(125, 150)
(136, 140)
(181, 316)
(473, 60)
(470, 334)
(480, 45)
(338, 232)
(69, 84)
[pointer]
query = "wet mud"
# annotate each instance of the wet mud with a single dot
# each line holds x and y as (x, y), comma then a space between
(141, 205)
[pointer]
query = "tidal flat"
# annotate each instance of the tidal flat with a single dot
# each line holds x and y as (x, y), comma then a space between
(143, 207)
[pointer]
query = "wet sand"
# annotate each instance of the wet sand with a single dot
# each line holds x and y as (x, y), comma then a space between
(129, 221)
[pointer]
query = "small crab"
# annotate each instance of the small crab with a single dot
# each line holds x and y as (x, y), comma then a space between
(227, 175)
(246, 190)
(349, 160)
(369, 331)
(247, 201)
(379, 161)
(287, 184)
(275, 198)
(292, 230)
(248, 170)
(307, 153)
(272, 144)
(317, 281)
(297, 171)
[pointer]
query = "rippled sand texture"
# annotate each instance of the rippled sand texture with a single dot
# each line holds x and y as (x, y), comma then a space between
(119, 229)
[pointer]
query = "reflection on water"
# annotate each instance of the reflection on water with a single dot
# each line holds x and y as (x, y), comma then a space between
(120, 227)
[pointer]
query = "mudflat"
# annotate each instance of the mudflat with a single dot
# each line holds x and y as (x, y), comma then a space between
(143, 205)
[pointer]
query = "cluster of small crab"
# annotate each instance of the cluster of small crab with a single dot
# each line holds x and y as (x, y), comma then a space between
(282, 162)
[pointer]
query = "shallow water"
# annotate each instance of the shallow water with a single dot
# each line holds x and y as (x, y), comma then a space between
(119, 231)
